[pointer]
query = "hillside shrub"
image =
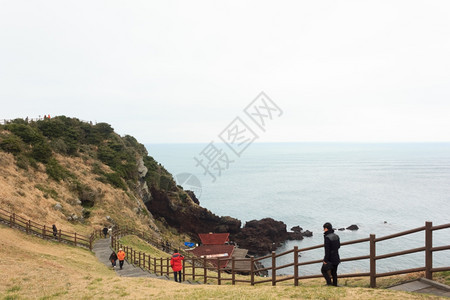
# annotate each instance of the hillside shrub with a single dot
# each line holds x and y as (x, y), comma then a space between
(103, 129)
(27, 133)
(133, 143)
(165, 183)
(12, 144)
(56, 171)
(115, 180)
(51, 128)
(22, 162)
(41, 152)
(59, 146)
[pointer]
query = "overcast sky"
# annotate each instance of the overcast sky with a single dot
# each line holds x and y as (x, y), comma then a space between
(182, 71)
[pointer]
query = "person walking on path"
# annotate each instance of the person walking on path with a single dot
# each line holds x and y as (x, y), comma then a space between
(331, 259)
(105, 231)
(177, 265)
(113, 258)
(55, 230)
(121, 256)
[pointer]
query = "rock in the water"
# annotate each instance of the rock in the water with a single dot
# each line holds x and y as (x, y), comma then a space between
(341, 229)
(307, 233)
(352, 227)
(297, 229)
(262, 236)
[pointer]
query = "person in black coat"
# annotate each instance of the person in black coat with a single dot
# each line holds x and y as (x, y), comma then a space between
(113, 259)
(331, 260)
(55, 230)
(105, 231)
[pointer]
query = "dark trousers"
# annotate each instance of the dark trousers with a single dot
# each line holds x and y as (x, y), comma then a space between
(121, 263)
(177, 274)
(330, 271)
(113, 262)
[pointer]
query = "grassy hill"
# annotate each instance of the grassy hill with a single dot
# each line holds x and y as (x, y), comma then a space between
(33, 268)
(80, 176)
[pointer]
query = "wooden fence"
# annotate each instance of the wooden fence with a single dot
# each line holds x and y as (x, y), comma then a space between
(150, 239)
(46, 232)
(161, 266)
(209, 268)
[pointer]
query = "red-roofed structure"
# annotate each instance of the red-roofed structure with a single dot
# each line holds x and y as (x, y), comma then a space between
(214, 238)
(212, 252)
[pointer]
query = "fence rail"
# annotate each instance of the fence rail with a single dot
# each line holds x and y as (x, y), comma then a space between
(14, 220)
(200, 268)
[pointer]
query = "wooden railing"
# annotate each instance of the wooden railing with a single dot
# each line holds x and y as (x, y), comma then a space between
(46, 232)
(150, 239)
(209, 268)
(161, 266)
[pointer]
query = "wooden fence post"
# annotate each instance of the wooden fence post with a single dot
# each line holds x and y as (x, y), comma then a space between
(428, 252)
(140, 259)
(59, 237)
(274, 271)
(233, 276)
(75, 239)
(43, 232)
(154, 265)
(205, 270)
(168, 264)
(161, 266)
(252, 270)
(296, 266)
(373, 266)
(184, 270)
(28, 226)
(193, 269)
(218, 271)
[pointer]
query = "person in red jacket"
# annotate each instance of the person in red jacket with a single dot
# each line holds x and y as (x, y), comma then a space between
(177, 264)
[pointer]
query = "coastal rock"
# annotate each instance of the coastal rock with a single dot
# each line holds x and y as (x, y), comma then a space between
(193, 197)
(189, 219)
(352, 227)
(298, 233)
(141, 168)
(341, 229)
(307, 233)
(296, 229)
(262, 236)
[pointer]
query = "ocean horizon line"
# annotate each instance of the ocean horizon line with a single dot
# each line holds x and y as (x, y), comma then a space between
(307, 142)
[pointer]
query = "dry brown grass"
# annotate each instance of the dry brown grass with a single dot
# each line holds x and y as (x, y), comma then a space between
(32, 268)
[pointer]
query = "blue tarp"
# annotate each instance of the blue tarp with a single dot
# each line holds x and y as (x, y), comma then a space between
(188, 244)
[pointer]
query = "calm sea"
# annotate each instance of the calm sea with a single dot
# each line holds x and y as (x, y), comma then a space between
(382, 188)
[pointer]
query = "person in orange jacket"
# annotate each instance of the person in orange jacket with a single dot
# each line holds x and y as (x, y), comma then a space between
(177, 265)
(121, 256)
